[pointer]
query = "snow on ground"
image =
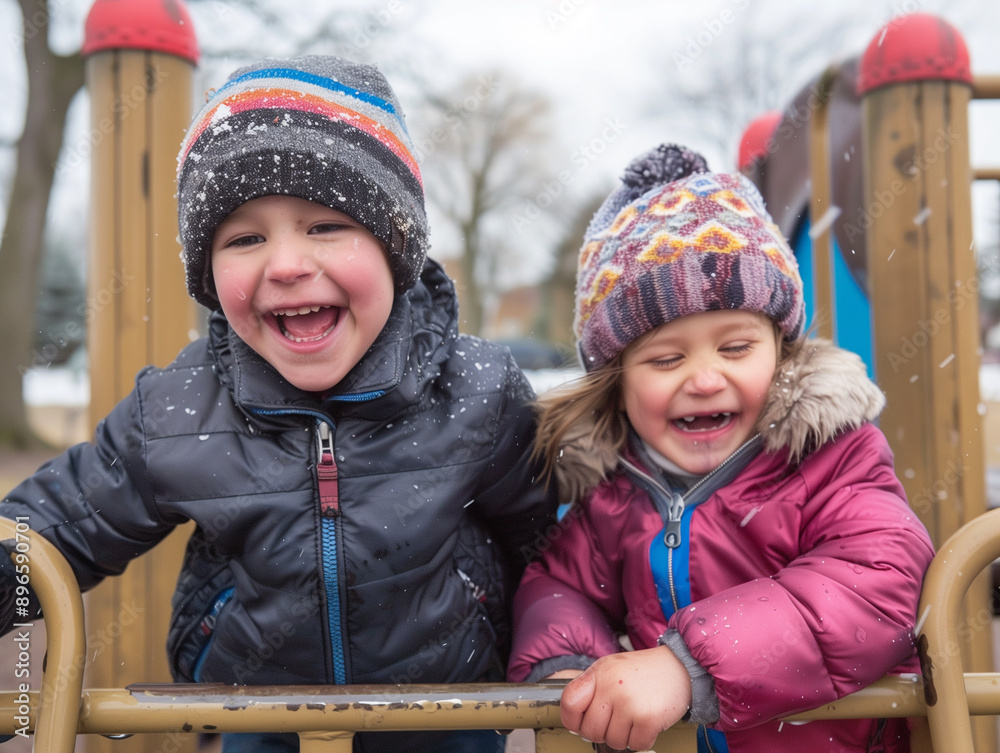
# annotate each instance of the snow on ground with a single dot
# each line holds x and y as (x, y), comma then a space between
(56, 387)
(989, 382)
(72, 386)
(543, 380)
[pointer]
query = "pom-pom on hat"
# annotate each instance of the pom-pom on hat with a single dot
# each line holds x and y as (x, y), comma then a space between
(316, 127)
(675, 239)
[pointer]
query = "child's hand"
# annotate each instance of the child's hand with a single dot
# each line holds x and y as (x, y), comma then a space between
(627, 699)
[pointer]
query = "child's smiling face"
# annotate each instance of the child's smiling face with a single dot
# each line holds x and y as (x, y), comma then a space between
(693, 388)
(305, 286)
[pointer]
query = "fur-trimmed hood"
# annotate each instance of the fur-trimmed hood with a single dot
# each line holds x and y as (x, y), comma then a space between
(819, 392)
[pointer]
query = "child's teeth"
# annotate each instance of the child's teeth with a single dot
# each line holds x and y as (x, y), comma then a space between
(300, 310)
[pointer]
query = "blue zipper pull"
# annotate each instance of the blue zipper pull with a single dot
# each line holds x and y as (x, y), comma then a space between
(672, 528)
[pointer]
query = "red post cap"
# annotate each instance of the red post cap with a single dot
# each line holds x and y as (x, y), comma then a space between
(756, 138)
(154, 25)
(915, 47)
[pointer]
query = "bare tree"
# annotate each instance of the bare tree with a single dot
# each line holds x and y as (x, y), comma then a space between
(348, 30)
(53, 80)
(730, 69)
(555, 319)
(483, 151)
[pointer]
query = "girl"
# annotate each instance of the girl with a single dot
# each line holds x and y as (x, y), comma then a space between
(736, 519)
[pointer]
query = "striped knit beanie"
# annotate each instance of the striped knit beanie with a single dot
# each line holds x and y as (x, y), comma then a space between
(675, 239)
(319, 128)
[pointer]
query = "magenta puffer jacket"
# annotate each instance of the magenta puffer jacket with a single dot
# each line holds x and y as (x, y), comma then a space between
(802, 574)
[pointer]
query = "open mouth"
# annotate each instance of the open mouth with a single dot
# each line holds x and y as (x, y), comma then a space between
(708, 422)
(307, 323)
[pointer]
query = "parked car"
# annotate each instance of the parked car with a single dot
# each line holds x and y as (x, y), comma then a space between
(546, 365)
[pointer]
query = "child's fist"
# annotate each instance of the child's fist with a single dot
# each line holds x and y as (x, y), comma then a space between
(627, 699)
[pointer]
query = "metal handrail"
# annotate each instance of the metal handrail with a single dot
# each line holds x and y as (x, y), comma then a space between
(986, 86)
(327, 716)
(965, 554)
(56, 707)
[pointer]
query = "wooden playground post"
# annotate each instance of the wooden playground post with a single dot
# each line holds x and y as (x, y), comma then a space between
(140, 57)
(821, 206)
(914, 80)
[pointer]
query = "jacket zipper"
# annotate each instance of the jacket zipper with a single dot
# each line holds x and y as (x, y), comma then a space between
(328, 488)
(329, 501)
(677, 502)
(207, 629)
(707, 739)
(326, 471)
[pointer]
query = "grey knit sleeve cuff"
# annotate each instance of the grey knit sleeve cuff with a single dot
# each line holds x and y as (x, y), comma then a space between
(704, 702)
(554, 664)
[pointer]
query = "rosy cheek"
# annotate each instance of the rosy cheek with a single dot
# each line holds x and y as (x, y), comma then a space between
(242, 326)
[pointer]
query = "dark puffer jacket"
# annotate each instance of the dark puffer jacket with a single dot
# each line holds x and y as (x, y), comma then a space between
(376, 561)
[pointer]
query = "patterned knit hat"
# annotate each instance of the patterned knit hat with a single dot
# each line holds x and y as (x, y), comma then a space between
(674, 240)
(319, 128)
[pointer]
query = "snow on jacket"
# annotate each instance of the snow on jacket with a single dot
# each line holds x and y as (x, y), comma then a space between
(393, 574)
(798, 580)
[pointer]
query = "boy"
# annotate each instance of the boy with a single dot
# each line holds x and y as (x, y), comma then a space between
(357, 470)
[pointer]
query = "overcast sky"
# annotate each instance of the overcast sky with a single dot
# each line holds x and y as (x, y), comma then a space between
(601, 59)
